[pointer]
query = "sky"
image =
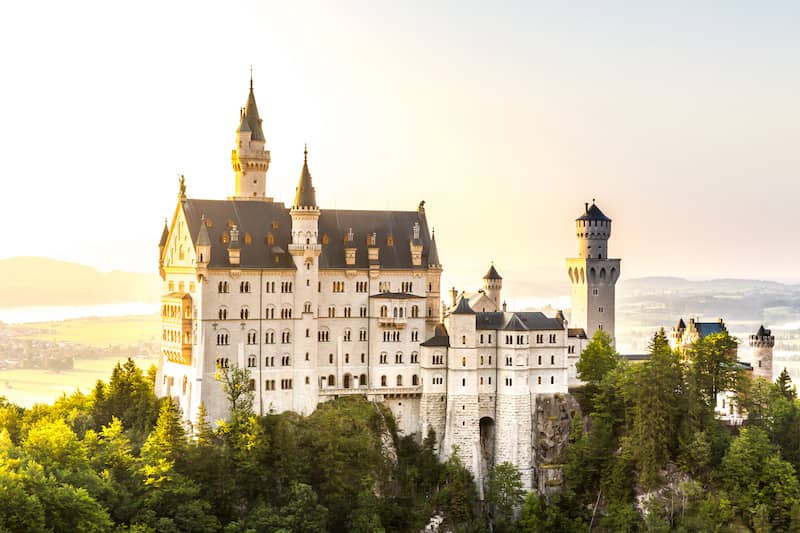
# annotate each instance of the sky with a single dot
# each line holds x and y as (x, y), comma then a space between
(681, 118)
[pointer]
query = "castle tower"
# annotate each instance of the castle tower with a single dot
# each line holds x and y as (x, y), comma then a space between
(432, 289)
(305, 250)
(250, 158)
(761, 345)
(592, 274)
(493, 284)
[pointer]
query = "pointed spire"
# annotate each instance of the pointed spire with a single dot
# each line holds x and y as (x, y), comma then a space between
(202, 235)
(492, 273)
(164, 235)
(243, 125)
(251, 114)
(433, 253)
(305, 195)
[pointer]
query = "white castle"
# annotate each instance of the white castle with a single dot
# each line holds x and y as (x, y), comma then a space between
(321, 303)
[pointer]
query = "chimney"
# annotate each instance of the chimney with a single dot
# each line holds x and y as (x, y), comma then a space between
(504, 307)
(453, 294)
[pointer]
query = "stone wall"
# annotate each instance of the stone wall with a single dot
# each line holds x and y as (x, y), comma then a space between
(552, 418)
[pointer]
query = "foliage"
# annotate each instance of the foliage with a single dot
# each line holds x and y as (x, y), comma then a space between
(504, 495)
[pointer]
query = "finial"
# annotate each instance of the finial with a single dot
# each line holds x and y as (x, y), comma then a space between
(592, 201)
(251, 77)
(305, 152)
(182, 187)
(433, 233)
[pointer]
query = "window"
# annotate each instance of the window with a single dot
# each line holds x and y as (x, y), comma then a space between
(463, 339)
(490, 380)
(285, 360)
(540, 359)
(571, 349)
(347, 311)
(338, 286)
(270, 312)
(463, 382)
(438, 380)
(286, 337)
(509, 382)
(539, 380)
(323, 335)
(481, 341)
(330, 358)
(286, 312)
(398, 358)
(347, 358)
(286, 384)
(552, 380)
(361, 286)
(383, 357)
(414, 311)
(406, 286)
(414, 380)
(595, 292)
(244, 286)
(384, 286)
(346, 336)
(269, 384)
(362, 334)
(600, 309)
(269, 338)
(363, 358)
(383, 381)
(222, 313)
(362, 380)
(415, 335)
(307, 307)
(308, 356)
(463, 361)
(222, 339)
(362, 312)
(308, 332)
(438, 359)
(414, 357)
(222, 287)
(269, 361)
(539, 339)
(490, 360)
(552, 359)
(286, 287)
(600, 327)
(509, 339)
(553, 338)
(222, 362)
(490, 342)
(244, 313)
(331, 311)
(481, 382)
(270, 286)
(251, 361)
(252, 337)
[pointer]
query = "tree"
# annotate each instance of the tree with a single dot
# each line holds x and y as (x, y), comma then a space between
(784, 384)
(656, 395)
(238, 390)
(714, 365)
(504, 495)
(597, 359)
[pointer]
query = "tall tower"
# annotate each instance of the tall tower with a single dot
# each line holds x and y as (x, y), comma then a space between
(592, 274)
(305, 250)
(761, 345)
(493, 284)
(250, 158)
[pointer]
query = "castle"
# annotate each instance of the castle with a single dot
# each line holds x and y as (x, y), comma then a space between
(321, 303)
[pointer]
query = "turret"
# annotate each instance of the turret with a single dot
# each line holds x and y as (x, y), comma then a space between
(593, 230)
(203, 244)
(234, 246)
(250, 159)
(761, 345)
(493, 284)
(415, 245)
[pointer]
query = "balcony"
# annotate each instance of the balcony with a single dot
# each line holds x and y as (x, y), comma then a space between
(392, 322)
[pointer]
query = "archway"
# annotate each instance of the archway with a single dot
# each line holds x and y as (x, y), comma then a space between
(487, 436)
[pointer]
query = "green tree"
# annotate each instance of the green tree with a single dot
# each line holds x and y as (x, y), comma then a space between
(597, 359)
(713, 362)
(504, 495)
(236, 382)
(784, 384)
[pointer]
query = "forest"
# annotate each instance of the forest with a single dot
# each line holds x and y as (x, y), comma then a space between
(646, 454)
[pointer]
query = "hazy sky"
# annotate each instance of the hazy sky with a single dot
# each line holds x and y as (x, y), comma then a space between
(682, 119)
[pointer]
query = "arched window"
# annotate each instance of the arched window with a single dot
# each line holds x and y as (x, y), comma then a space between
(399, 380)
(414, 311)
(269, 337)
(384, 311)
(415, 380)
(223, 313)
(251, 361)
(244, 313)
(331, 381)
(362, 380)
(383, 381)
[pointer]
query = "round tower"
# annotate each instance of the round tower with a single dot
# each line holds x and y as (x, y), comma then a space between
(493, 284)
(761, 345)
(250, 158)
(593, 275)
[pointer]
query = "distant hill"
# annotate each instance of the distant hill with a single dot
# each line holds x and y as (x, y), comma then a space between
(36, 281)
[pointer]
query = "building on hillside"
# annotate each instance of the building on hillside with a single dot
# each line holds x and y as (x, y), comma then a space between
(757, 364)
(315, 302)
(319, 303)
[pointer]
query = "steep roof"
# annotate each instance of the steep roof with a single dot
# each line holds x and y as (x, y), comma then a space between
(164, 235)
(492, 273)
(463, 308)
(269, 225)
(433, 253)
(762, 332)
(251, 116)
(593, 213)
(440, 337)
(681, 324)
(577, 333)
(522, 321)
(305, 195)
(202, 236)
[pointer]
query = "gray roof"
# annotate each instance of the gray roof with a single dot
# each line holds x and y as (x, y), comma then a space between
(577, 333)
(433, 253)
(463, 308)
(396, 295)
(251, 117)
(681, 324)
(305, 195)
(704, 329)
(202, 236)
(492, 273)
(593, 213)
(440, 337)
(762, 332)
(522, 321)
(259, 220)
(164, 235)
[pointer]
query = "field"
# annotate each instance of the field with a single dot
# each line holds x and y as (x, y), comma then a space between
(100, 331)
(29, 386)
